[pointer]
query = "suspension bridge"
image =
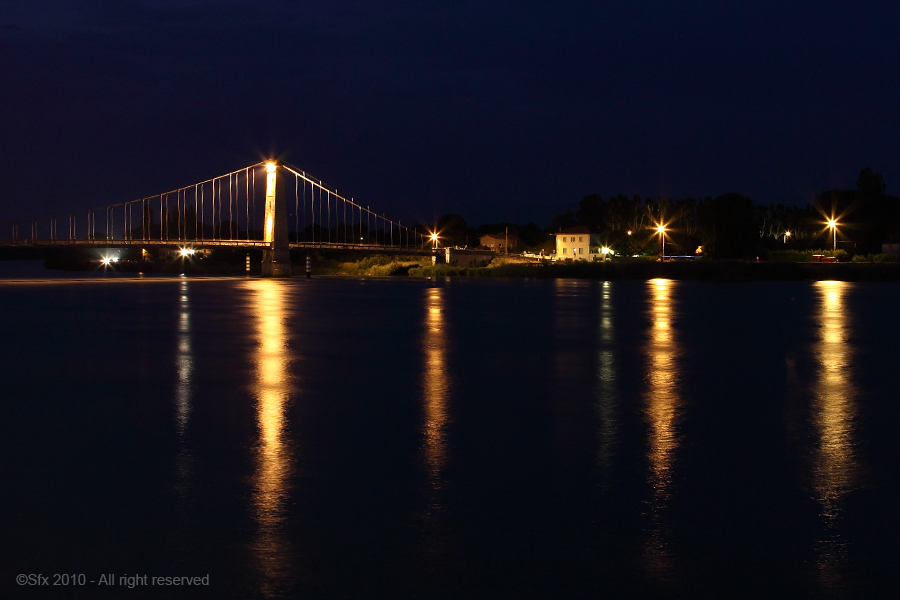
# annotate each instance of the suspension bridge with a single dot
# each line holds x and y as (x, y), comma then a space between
(272, 206)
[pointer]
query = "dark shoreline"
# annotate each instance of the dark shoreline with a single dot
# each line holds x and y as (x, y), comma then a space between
(703, 270)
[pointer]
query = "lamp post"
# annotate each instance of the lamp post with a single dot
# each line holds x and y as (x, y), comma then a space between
(787, 234)
(833, 224)
(662, 236)
(434, 239)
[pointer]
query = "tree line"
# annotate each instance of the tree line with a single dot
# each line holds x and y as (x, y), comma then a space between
(733, 226)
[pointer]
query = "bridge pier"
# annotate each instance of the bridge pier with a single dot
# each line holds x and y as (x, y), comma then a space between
(276, 260)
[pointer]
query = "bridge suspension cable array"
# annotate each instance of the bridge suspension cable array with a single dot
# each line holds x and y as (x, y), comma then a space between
(222, 211)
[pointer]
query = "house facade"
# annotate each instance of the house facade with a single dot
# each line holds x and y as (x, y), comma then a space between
(575, 243)
(497, 241)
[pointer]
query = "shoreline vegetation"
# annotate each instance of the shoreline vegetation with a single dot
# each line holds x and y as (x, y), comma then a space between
(623, 268)
(786, 266)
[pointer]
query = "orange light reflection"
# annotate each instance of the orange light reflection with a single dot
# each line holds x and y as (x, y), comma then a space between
(833, 412)
(662, 406)
(434, 384)
(272, 389)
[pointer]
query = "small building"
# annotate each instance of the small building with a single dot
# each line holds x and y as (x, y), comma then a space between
(575, 243)
(497, 241)
(891, 249)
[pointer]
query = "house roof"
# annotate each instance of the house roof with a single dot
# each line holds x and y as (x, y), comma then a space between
(579, 229)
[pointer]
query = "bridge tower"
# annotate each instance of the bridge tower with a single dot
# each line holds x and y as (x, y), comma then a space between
(276, 260)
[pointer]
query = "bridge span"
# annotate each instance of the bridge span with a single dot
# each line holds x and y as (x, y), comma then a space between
(271, 206)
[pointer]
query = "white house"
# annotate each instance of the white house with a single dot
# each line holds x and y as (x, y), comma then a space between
(576, 243)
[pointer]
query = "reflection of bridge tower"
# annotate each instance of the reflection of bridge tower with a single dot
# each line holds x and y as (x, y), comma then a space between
(276, 260)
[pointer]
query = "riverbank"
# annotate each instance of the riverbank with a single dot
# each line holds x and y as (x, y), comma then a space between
(640, 269)
(703, 270)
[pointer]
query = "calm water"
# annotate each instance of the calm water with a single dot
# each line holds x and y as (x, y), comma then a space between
(342, 438)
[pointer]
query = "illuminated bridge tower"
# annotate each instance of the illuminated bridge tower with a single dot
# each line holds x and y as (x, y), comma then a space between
(276, 260)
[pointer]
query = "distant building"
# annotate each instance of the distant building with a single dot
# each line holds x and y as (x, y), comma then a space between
(497, 241)
(575, 243)
(891, 249)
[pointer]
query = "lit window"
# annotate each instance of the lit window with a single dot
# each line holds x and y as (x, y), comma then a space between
(580, 239)
(564, 250)
(581, 251)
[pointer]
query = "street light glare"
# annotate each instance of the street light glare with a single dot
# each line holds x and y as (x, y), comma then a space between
(661, 228)
(434, 237)
(832, 223)
(270, 167)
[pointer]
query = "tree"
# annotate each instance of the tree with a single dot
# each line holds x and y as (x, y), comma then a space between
(727, 226)
(592, 212)
(453, 230)
(563, 221)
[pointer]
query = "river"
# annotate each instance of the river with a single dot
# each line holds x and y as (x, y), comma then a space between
(456, 438)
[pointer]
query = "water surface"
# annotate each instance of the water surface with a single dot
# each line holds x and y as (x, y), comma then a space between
(344, 438)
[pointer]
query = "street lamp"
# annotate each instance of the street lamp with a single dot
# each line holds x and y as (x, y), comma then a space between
(662, 236)
(787, 234)
(833, 224)
(434, 239)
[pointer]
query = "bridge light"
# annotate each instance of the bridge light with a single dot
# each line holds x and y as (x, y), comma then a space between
(106, 260)
(270, 167)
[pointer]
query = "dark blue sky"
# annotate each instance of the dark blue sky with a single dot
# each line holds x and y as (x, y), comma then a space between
(495, 110)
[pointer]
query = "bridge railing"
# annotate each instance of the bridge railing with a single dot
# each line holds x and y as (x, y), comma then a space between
(227, 210)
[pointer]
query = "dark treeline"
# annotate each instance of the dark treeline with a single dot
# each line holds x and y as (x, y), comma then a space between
(732, 226)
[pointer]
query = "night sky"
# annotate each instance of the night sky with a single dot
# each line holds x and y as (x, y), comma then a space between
(494, 110)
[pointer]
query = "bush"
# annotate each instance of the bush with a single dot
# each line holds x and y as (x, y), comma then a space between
(861, 258)
(805, 255)
(879, 258)
(378, 265)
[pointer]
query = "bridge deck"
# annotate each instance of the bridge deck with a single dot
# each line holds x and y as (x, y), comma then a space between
(248, 244)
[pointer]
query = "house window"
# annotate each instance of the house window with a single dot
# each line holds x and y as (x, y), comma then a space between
(573, 239)
(580, 239)
(581, 251)
(564, 250)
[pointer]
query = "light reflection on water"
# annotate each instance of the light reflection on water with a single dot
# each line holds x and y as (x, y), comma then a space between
(184, 361)
(835, 465)
(272, 388)
(435, 385)
(606, 373)
(184, 367)
(661, 411)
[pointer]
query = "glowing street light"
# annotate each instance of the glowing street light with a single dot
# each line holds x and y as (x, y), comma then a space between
(434, 240)
(270, 167)
(662, 236)
(787, 234)
(106, 260)
(833, 224)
